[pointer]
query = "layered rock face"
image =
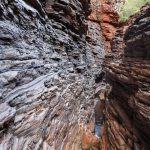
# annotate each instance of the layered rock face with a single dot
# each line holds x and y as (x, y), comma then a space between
(109, 16)
(106, 14)
(128, 118)
(51, 55)
(50, 61)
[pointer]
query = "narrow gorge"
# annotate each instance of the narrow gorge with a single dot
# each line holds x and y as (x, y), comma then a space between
(55, 58)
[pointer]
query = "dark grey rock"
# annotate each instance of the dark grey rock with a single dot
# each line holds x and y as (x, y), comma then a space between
(47, 71)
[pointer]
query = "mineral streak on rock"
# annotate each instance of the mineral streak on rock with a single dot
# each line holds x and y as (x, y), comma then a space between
(50, 59)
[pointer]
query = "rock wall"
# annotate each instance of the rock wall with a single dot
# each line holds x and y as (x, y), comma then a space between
(127, 126)
(106, 14)
(109, 18)
(51, 56)
(50, 62)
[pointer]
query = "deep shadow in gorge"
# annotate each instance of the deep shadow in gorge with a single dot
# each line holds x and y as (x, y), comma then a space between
(54, 55)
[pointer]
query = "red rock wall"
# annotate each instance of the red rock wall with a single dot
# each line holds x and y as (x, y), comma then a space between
(127, 70)
(128, 123)
(109, 20)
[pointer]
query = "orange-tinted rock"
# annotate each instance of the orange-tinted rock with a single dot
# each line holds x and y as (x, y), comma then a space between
(105, 12)
(90, 142)
(109, 21)
(96, 11)
(108, 31)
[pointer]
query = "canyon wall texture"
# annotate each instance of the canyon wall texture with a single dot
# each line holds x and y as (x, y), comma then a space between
(50, 63)
(128, 118)
(51, 58)
(109, 18)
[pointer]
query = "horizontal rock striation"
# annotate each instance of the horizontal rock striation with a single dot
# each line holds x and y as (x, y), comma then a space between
(128, 117)
(137, 37)
(50, 62)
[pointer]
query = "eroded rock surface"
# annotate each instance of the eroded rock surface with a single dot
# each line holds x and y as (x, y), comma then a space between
(50, 61)
(109, 18)
(128, 122)
(51, 55)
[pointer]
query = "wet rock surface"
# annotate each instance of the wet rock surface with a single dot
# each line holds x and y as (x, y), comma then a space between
(128, 122)
(50, 61)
